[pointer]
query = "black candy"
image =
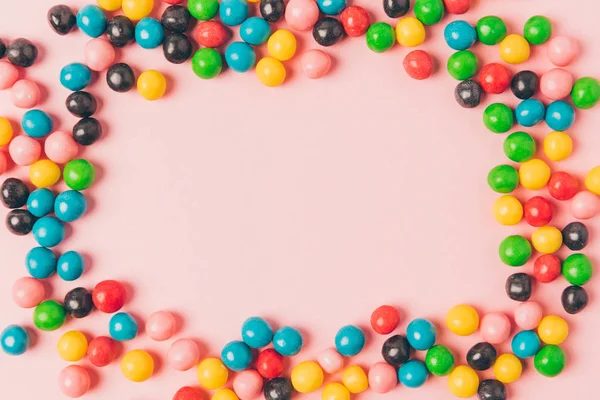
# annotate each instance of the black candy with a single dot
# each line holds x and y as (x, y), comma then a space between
(328, 31)
(22, 53)
(176, 19)
(20, 222)
(272, 10)
(61, 19)
(575, 236)
(14, 193)
(278, 389)
(120, 77)
(78, 303)
(87, 131)
(574, 299)
(120, 31)
(491, 389)
(518, 287)
(177, 48)
(524, 84)
(2, 48)
(396, 350)
(481, 356)
(468, 94)
(81, 104)
(396, 8)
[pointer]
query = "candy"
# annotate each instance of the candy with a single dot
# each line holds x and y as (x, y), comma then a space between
(421, 334)
(515, 250)
(120, 31)
(79, 174)
(257, 332)
(468, 93)
(562, 186)
(495, 328)
(550, 361)
(224, 394)
(75, 76)
(556, 84)
(577, 270)
(481, 356)
(183, 354)
(152, 85)
(525, 344)
(61, 19)
(36, 123)
(418, 64)
(272, 10)
(177, 48)
(78, 303)
(518, 287)
(44, 173)
(508, 210)
(553, 330)
(530, 112)
(161, 326)
(14, 340)
(585, 93)
(330, 360)
(459, 35)
(380, 37)
(110, 5)
(28, 292)
(149, 33)
(494, 78)
(335, 391)
(413, 374)
(233, 12)
(81, 104)
(547, 268)
(315, 63)
(120, 77)
(574, 299)
(48, 231)
(349, 340)
(462, 65)
(122, 327)
(382, 377)
(25, 94)
(524, 84)
(19, 222)
(491, 30)
(503, 178)
(207, 63)
(307, 377)
(109, 296)
(74, 381)
(212, 33)
(575, 236)
(136, 10)
(519, 147)
(508, 368)
(538, 211)
(491, 389)
(40, 262)
(236, 355)
(240, 56)
(188, 393)
(72, 346)
(534, 174)
(3, 163)
(498, 118)
(14, 193)
(91, 20)
(270, 72)
(537, 30)
(203, 10)
(301, 15)
(102, 351)
(21, 53)
(255, 31)
(560, 116)
(331, 7)
(396, 8)
(457, 6)
(248, 384)
(592, 180)
(287, 341)
(547, 239)
(278, 389)
(356, 20)
(270, 364)
(137, 365)
(528, 315)
(514, 49)
(410, 32)
(558, 146)
(462, 320)
(355, 379)
(282, 45)
(49, 316)
(585, 205)
(328, 31)
(70, 205)
(439, 360)
(24, 150)
(60, 147)
(396, 350)
(463, 382)
(429, 12)
(562, 50)
(176, 19)
(385, 319)
(8, 75)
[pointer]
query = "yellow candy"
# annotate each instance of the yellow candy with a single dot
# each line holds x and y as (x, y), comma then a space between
(137, 365)
(6, 131)
(270, 72)
(547, 239)
(558, 146)
(410, 32)
(508, 368)
(72, 346)
(152, 85)
(592, 180)
(335, 391)
(355, 379)
(553, 330)
(282, 45)
(110, 5)
(137, 9)
(463, 382)
(534, 174)
(307, 377)
(212, 374)
(44, 173)
(462, 320)
(514, 49)
(224, 394)
(508, 210)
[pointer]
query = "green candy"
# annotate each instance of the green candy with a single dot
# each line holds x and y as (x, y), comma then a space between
(538, 29)
(515, 250)
(439, 360)
(429, 12)
(462, 65)
(203, 10)
(503, 178)
(49, 315)
(79, 174)
(585, 93)
(498, 118)
(207, 63)
(491, 30)
(519, 147)
(380, 37)
(550, 360)
(577, 269)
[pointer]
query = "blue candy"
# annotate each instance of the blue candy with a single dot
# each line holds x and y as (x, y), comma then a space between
(14, 340)
(240, 56)
(91, 20)
(332, 7)
(122, 327)
(75, 76)
(36, 123)
(526, 344)
(40, 262)
(421, 334)
(412, 374)
(287, 341)
(149, 33)
(256, 332)
(530, 112)
(460, 35)
(70, 205)
(48, 231)
(40, 202)
(233, 12)
(350, 340)
(236, 356)
(255, 31)
(560, 116)
(70, 266)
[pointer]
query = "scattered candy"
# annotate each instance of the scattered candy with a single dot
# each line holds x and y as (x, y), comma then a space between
(21, 53)
(278, 388)
(380, 37)
(74, 381)
(429, 12)
(61, 19)
(585, 205)
(183, 354)
(518, 287)
(287, 341)
(462, 65)
(562, 186)
(382, 377)
(102, 351)
(421, 334)
(152, 85)
(307, 377)
(356, 20)
(271, 10)
(585, 93)
(491, 389)
(120, 31)
(48, 231)
(330, 360)
(14, 340)
(495, 328)
(412, 374)
(524, 84)
(439, 360)
(547, 268)
(463, 382)
(315, 63)
(120, 78)
(410, 32)
(460, 35)
(161, 325)
(491, 30)
(519, 147)
(137, 365)
(530, 112)
(28, 292)
(556, 84)
(137, 9)
(8, 75)
(301, 15)
(248, 384)
(494, 78)
(462, 320)
(537, 30)
(350, 340)
(355, 379)
(468, 93)
(78, 303)
(498, 118)
(270, 364)
(574, 299)
(550, 361)
(49, 316)
(553, 330)
(91, 20)
(534, 174)
(508, 368)
(24, 150)
(396, 350)
(385, 319)
(525, 344)
(25, 94)
(176, 19)
(514, 49)
(418, 64)
(254, 31)
(72, 346)
(528, 315)
(237, 356)
(149, 33)
(560, 116)
(481, 356)
(562, 50)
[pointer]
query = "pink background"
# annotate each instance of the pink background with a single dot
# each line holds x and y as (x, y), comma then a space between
(308, 204)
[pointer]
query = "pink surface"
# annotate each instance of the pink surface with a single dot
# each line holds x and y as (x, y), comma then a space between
(310, 204)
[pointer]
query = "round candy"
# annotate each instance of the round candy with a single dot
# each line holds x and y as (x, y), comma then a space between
(257, 332)
(547, 239)
(270, 72)
(177, 48)
(518, 287)
(248, 385)
(328, 31)
(558, 146)
(562, 50)
(36, 123)
(585, 205)
(224, 394)
(528, 315)
(491, 30)
(24, 150)
(203, 10)
(6, 131)
(40, 262)
(301, 15)
(508, 368)
(460, 35)
(102, 351)
(277, 389)
(72, 346)
(385, 319)
(62, 20)
(575, 236)
(514, 49)
(463, 382)
(491, 389)
(287, 341)
(556, 84)
(176, 19)
(120, 78)
(537, 30)
(152, 85)
(8, 75)
(78, 303)
(14, 340)
(515, 250)
(330, 360)
(255, 31)
(28, 292)
(213, 34)
(524, 84)
(19, 222)
(272, 10)
(136, 10)
(207, 63)
(188, 393)
(577, 270)
(498, 118)
(349, 340)
(530, 112)
(503, 178)
(418, 64)
(494, 78)
(382, 377)
(75, 76)
(110, 5)
(380, 37)
(137, 365)
(307, 377)
(315, 63)
(462, 65)
(21, 53)
(122, 327)
(70, 205)
(468, 93)
(282, 45)
(396, 350)
(550, 361)
(553, 330)
(91, 20)
(574, 299)
(237, 356)
(109, 296)
(429, 12)
(457, 6)
(183, 354)
(410, 32)
(525, 344)
(592, 180)
(586, 92)
(562, 186)
(560, 116)
(79, 174)
(48, 231)
(547, 268)
(81, 104)
(49, 316)
(439, 360)
(534, 174)
(25, 94)
(495, 328)
(462, 320)
(481, 356)
(355, 379)
(149, 33)
(356, 19)
(87, 131)
(120, 31)
(212, 374)
(421, 334)
(74, 381)
(44, 173)
(331, 7)
(240, 56)
(413, 374)
(508, 210)
(396, 8)
(233, 12)
(270, 364)
(161, 325)
(335, 391)
(519, 147)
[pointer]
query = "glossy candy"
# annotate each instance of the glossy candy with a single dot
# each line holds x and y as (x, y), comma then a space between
(481, 356)
(44, 173)
(429, 12)
(558, 146)
(518, 287)
(28, 292)
(270, 364)
(412, 374)
(176, 19)
(577, 270)
(550, 361)
(102, 351)
(255, 31)
(203, 10)
(585, 93)
(306, 377)
(418, 64)
(574, 299)
(287, 341)
(327, 31)
(161, 326)
(36, 123)
(61, 19)
(356, 20)
(562, 50)
(463, 382)
(330, 360)
(278, 389)
(70, 266)
(240, 56)
(14, 193)
(355, 379)
(19, 222)
(282, 45)
(495, 328)
(380, 37)
(60, 147)
(211, 34)
(349, 340)
(547, 239)
(457, 6)
(556, 84)
(592, 180)
(248, 385)
(48, 231)
(24, 150)
(91, 20)
(188, 393)
(233, 12)
(79, 174)
(149, 33)
(272, 10)
(152, 85)
(257, 332)
(183, 354)
(491, 30)
(137, 9)
(560, 116)
(562, 186)
(382, 377)
(75, 76)
(396, 350)
(538, 211)
(21, 53)
(137, 366)
(87, 131)
(224, 394)
(301, 15)
(498, 118)
(421, 334)
(120, 77)
(236, 355)
(6, 131)
(491, 389)
(109, 296)
(547, 268)
(534, 174)
(537, 30)
(385, 319)
(585, 205)
(515, 250)
(49, 316)
(439, 360)
(462, 65)
(529, 112)
(519, 147)
(335, 391)
(524, 84)
(81, 104)
(460, 35)
(270, 72)
(207, 63)
(525, 344)
(14, 340)
(528, 315)
(9, 74)
(120, 31)
(503, 178)
(72, 346)
(575, 236)
(110, 5)
(331, 7)
(508, 368)
(78, 303)
(122, 326)
(514, 49)
(468, 93)
(396, 8)
(462, 320)
(74, 381)
(315, 63)
(410, 32)
(494, 78)
(40, 262)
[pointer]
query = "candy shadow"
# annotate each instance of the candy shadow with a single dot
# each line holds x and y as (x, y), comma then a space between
(88, 262)
(94, 378)
(158, 362)
(179, 322)
(33, 337)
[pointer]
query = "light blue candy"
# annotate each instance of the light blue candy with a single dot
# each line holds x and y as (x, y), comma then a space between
(40, 202)
(122, 327)
(421, 334)
(350, 340)
(233, 12)
(70, 205)
(91, 20)
(40, 262)
(240, 56)
(14, 340)
(70, 266)
(530, 112)
(412, 374)
(36, 123)
(287, 341)
(526, 344)
(236, 356)
(75, 76)
(48, 231)
(149, 33)
(256, 332)
(332, 7)
(560, 116)
(255, 31)
(460, 35)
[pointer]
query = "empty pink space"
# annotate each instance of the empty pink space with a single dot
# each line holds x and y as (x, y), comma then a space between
(309, 204)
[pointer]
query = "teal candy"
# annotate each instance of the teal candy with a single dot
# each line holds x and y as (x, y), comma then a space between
(75, 76)
(91, 20)
(412, 374)
(14, 340)
(255, 31)
(332, 7)
(240, 56)
(350, 340)
(40, 202)
(256, 332)
(530, 112)
(48, 231)
(40, 262)
(122, 327)
(460, 35)
(287, 341)
(237, 356)
(36, 123)
(526, 344)
(70, 266)
(70, 205)
(149, 33)
(560, 115)
(421, 334)
(233, 12)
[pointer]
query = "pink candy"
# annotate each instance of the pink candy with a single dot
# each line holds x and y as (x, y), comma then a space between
(585, 205)
(74, 381)
(301, 14)
(315, 63)
(161, 325)
(556, 84)
(183, 354)
(495, 328)
(562, 50)
(28, 292)
(528, 315)
(24, 150)
(99, 54)
(248, 384)
(25, 94)
(330, 360)
(60, 147)
(8, 75)
(382, 377)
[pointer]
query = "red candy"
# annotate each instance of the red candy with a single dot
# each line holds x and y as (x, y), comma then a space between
(418, 64)
(494, 78)
(270, 364)
(457, 6)
(356, 20)
(109, 296)
(385, 319)
(211, 34)
(102, 351)
(537, 211)
(562, 186)
(172, 2)
(188, 393)
(547, 268)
